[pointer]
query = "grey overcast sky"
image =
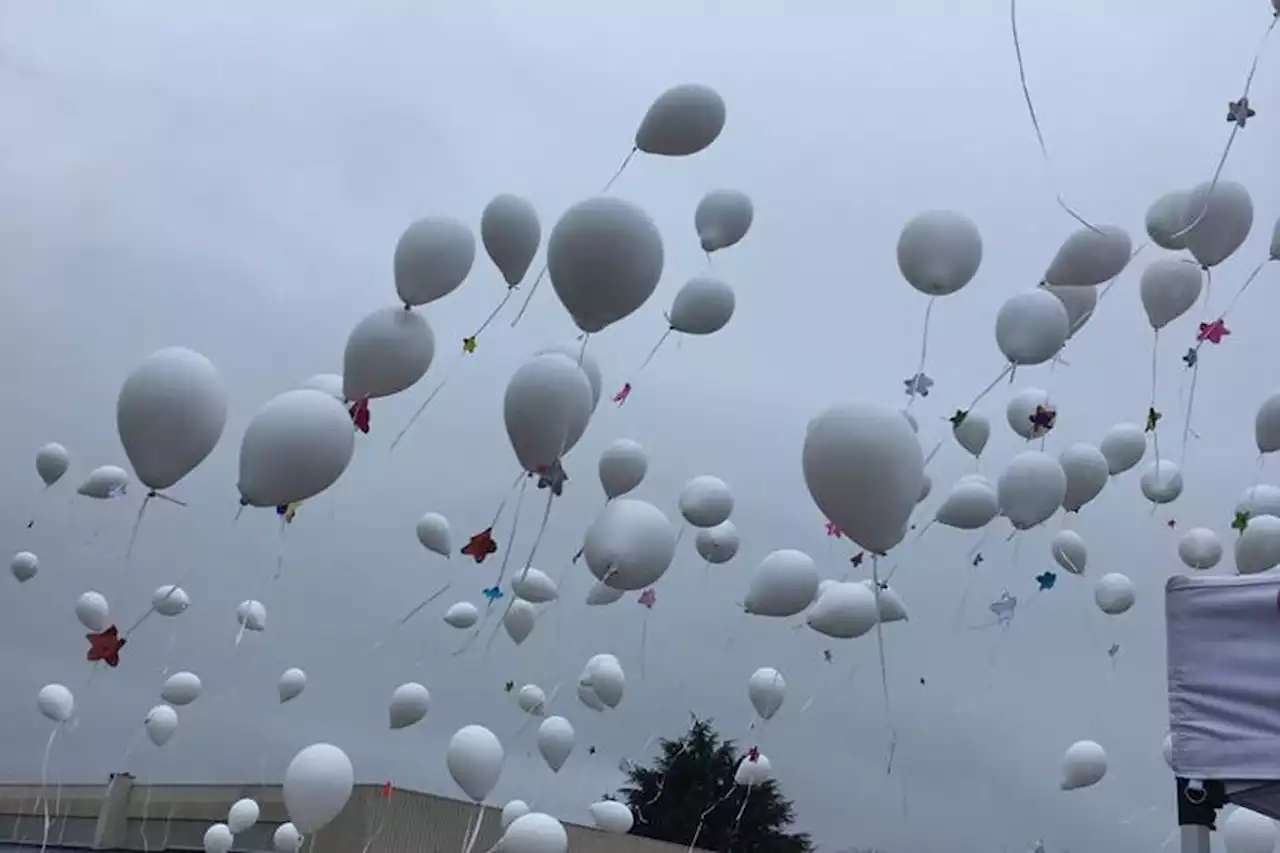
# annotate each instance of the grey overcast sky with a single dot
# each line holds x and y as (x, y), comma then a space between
(232, 177)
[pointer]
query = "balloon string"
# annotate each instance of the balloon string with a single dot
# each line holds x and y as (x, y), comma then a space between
(1006, 371)
(1155, 431)
(626, 161)
(414, 612)
(515, 528)
(1035, 120)
(427, 402)
(44, 781)
(133, 539)
(152, 609)
(494, 313)
(524, 306)
(884, 668)
(1248, 281)
(473, 829)
(656, 347)
(924, 352)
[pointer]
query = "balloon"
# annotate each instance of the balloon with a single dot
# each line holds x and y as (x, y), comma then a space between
(296, 446)
(317, 785)
(584, 360)
(889, 605)
(533, 833)
(433, 533)
(24, 566)
(784, 584)
(326, 383)
(1022, 407)
(1080, 303)
(1087, 471)
(612, 816)
(170, 600)
(1262, 499)
(432, 258)
(252, 615)
(409, 704)
(1161, 482)
(532, 700)
(534, 586)
(1090, 256)
(510, 232)
(1031, 488)
(243, 814)
(461, 615)
(1169, 289)
(863, 467)
(630, 545)
(555, 742)
(286, 839)
(1266, 425)
(718, 544)
(92, 611)
(750, 773)
(1123, 447)
(722, 218)
(1258, 546)
(218, 839)
(587, 694)
(706, 501)
(170, 415)
(1114, 593)
(103, 483)
(702, 306)
(1069, 551)
(546, 409)
(972, 433)
(1166, 747)
(601, 594)
(513, 810)
(52, 462)
(603, 674)
(519, 620)
(1274, 254)
(970, 506)
(683, 120)
(766, 689)
(1246, 831)
(1167, 218)
(181, 688)
(604, 258)
(939, 252)
(56, 702)
(926, 488)
(387, 352)
(1083, 764)
(844, 610)
(1031, 327)
(292, 682)
(1225, 219)
(1199, 548)
(623, 465)
(474, 759)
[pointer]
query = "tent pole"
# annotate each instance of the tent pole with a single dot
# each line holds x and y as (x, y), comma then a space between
(1198, 803)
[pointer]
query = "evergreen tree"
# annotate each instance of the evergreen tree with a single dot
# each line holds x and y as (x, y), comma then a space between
(689, 793)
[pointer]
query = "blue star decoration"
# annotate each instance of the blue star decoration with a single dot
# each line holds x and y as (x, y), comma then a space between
(1191, 357)
(1113, 651)
(492, 593)
(1239, 112)
(918, 385)
(1046, 580)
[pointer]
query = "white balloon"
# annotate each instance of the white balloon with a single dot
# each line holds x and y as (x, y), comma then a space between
(718, 544)
(1246, 831)
(604, 258)
(1258, 546)
(1031, 488)
(1166, 747)
(1022, 407)
(555, 742)
(286, 839)
(170, 600)
(683, 120)
(291, 684)
(532, 700)
(939, 252)
(104, 483)
(1123, 447)
(926, 488)
(722, 219)
(766, 688)
(1069, 551)
(546, 408)
(970, 506)
(432, 259)
(242, 815)
(1031, 327)
(630, 545)
(1090, 256)
(1262, 499)
(92, 611)
(1114, 593)
(252, 615)
(1200, 548)
(784, 583)
(750, 773)
(703, 306)
(604, 675)
(409, 704)
(433, 533)
(326, 383)
(387, 352)
(706, 501)
(1169, 289)
(1083, 764)
(1225, 218)
(519, 620)
(911, 419)
(533, 833)
(601, 594)
(612, 816)
(889, 605)
(295, 447)
(510, 232)
(587, 695)
(513, 810)
(584, 360)
(844, 611)
(1266, 425)
(218, 839)
(1274, 254)
(24, 566)
(461, 615)
(1080, 303)
(1087, 472)
(56, 702)
(52, 461)
(317, 785)
(534, 586)
(181, 688)
(973, 432)
(474, 758)
(1161, 482)
(863, 467)
(1167, 218)
(170, 414)
(623, 465)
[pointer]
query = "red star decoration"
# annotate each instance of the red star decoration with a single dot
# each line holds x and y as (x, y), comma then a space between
(753, 754)
(1213, 332)
(480, 546)
(648, 598)
(105, 646)
(387, 789)
(832, 530)
(359, 411)
(622, 395)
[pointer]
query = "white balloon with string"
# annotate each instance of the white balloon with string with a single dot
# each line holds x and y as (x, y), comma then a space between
(722, 218)
(1031, 327)
(622, 467)
(52, 461)
(1069, 551)
(294, 448)
(1090, 256)
(432, 258)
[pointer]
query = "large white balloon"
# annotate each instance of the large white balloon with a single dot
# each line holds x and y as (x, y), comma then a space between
(1246, 831)
(1123, 447)
(683, 120)
(766, 688)
(1083, 764)
(630, 545)
(546, 409)
(1087, 472)
(218, 839)
(317, 785)
(1222, 219)
(604, 675)
(1069, 551)
(56, 702)
(864, 469)
(519, 619)
(722, 218)
(702, 306)
(92, 611)
(295, 447)
(784, 583)
(474, 758)
(433, 533)
(939, 252)
(1258, 546)
(555, 742)
(1262, 499)
(1080, 303)
(1031, 488)
(52, 461)
(1199, 548)
(1167, 219)
(972, 433)
(387, 352)
(1090, 256)
(604, 258)
(409, 705)
(432, 258)
(1021, 408)
(170, 415)
(612, 816)
(1161, 482)
(104, 483)
(1031, 327)
(534, 586)
(510, 232)
(1114, 593)
(1169, 289)
(718, 544)
(750, 772)
(1266, 424)
(706, 501)
(844, 611)
(533, 833)
(181, 688)
(970, 505)
(24, 566)
(585, 361)
(291, 684)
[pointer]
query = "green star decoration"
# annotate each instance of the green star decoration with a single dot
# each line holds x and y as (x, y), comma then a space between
(1241, 521)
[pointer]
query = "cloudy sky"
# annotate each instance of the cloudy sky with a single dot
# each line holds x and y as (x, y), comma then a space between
(232, 177)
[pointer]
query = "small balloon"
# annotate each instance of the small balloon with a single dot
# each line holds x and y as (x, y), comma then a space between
(432, 258)
(683, 120)
(722, 219)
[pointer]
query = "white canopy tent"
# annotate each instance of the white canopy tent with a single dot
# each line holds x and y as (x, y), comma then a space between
(1223, 648)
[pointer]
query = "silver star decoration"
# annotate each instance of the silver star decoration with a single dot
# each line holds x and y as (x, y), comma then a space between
(1004, 607)
(1239, 112)
(918, 385)
(1113, 651)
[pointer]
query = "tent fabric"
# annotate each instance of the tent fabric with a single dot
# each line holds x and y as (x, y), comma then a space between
(1223, 647)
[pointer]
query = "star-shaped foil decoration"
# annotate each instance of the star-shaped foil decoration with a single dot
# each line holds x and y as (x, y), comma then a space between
(1042, 420)
(1191, 357)
(827, 656)
(1239, 112)
(1004, 607)
(591, 750)
(469, 344)
(1213, 332)
(648, 598)
(553, 477)
(958, 418)
(857, 558)
(918, 385)
(1113, 651)
(1153, 418)
(105, 646)
(977, 559)
(1241, 520)
(753, 754)
(509, 686)
(359, 412)
(1046, 580)
(480, 545)
(623, 393)
(493, 593)
(832, 530)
